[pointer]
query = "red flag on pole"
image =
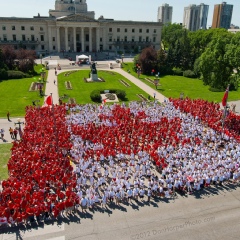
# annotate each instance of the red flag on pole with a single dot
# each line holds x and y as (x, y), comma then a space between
(49, 101)
(104, 100)
(225, 97)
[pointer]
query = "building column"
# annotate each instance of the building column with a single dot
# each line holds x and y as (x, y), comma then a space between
(97, 40)
(74, 40)
(82, 39)
(66, 39)
(58, 39)
(104, 39)
(90, 39)
(49, 39)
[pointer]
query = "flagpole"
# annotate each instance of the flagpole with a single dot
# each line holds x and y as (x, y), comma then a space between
(55, 127)
(225, 111)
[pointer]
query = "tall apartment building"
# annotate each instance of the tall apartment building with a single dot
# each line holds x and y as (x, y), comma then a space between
(222, 15)
(165, 13)
(195, 17)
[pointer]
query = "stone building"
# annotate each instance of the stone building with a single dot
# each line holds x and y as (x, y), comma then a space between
(71, 27)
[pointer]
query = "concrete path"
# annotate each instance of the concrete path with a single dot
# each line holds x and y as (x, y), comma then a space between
(51, 87)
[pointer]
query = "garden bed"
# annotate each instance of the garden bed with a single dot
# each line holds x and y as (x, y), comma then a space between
(33, 87)
(124, 83)
(68, 85)
(70, 72)
(142, 97)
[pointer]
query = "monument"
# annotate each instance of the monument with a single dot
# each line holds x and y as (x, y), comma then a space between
(93, 75)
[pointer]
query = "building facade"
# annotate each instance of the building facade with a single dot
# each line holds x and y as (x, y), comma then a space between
(222, 15)
(195, 17)
(71, 27)
(165, 13)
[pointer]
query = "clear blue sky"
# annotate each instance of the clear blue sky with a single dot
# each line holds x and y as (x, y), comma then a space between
(139, 10)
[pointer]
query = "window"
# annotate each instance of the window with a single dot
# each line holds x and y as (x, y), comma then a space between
(22, 28)
(140, 38)
(3, 28)
(110, 29)
(133, 38)
(41, 28)
(86, 37)
(54, 48)
(140, 30)
(154, 30)
(42, 47)
(118, 38)
(53, 39)
(4, 37)
(147, 30)
(110, 47)
(125, 30)
(147, 39)
(32, 28)
(68, 37)
(100, 39)
(13, 28)
(133, 30)
(23, 37)
(42, 38)
(118, 29)
(154, 39)
(14, 37)
(110, 39)
(125, 39)
(32, 38)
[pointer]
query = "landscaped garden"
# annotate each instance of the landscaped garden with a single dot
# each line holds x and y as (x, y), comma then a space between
(81, 89)
(173, 86)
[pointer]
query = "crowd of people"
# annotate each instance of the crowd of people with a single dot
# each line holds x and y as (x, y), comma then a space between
(120, 154)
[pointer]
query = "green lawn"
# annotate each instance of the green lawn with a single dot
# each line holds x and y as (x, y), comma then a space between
(15, 95)
(4, 157)
(172, 86)
(81, 90)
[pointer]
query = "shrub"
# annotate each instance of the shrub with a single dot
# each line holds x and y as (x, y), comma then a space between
(3, 74)
(15, 74)
(189, 74)
(121, 94)
(177, 71)
(95, 96)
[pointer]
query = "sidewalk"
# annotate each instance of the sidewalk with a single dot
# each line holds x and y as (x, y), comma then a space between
(51, 87)
(150, 91)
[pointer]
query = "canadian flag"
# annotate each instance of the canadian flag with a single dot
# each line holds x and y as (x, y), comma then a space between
(225, 97)
(49, 101)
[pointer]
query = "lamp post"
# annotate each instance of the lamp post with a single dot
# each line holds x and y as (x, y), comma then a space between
(19, 123)
(41, 58)
(122, 57)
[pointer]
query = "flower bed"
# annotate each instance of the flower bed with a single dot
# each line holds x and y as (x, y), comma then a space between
(124, 83)
(68, 85)
(142, 97)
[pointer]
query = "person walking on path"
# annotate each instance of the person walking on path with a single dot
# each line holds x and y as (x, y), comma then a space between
(2, 133)
(8, 116)
(54, 81)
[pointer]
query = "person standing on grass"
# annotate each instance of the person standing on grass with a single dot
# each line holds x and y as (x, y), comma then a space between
(8, 116)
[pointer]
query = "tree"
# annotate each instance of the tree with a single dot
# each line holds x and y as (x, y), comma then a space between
(148, 60)
(214, 63)
(9, 56)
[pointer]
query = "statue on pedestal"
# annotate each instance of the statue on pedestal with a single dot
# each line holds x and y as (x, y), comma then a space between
(93, 68)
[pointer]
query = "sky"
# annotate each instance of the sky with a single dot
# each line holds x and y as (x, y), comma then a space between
(136, 10)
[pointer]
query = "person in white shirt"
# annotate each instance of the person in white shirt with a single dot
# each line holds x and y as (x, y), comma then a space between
(84, 203)
(129, 194)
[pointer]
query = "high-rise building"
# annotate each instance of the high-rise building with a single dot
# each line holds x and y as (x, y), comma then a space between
(195, 17)
(222, 15)
(165, 13)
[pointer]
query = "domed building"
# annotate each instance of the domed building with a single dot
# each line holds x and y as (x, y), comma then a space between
(70, 27)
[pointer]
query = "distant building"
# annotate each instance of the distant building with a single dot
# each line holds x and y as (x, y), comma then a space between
(195, 17)
(234, 30)
(232, 26)
(165, 13)
(222, 15)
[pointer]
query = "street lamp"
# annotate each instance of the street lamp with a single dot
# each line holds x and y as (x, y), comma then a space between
(41, 58)
(19, 123)
(122, 57)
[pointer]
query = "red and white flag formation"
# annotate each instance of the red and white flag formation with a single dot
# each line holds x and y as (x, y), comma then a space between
(49, 101)
(225, 97)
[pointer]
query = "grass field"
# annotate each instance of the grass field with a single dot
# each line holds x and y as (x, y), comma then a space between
(81, 90)
(15, 95)
(172, 86)
(4, 156)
